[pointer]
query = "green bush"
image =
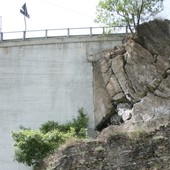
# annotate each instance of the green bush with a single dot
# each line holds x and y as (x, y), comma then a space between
(80, 125)
(49, 126)
(31, 146)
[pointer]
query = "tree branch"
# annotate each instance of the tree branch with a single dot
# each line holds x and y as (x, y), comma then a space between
(139, 12)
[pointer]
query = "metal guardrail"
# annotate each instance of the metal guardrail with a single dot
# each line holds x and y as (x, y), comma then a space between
(62, 32)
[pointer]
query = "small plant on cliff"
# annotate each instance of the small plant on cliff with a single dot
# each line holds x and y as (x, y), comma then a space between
(128, 13)
(32, 146)
(80, 125)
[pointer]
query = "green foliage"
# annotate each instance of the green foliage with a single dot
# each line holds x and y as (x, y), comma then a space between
(31, 146)
(127, 12)
(49, 126)
(80, 125)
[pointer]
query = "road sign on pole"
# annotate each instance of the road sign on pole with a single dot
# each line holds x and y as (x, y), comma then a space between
(25, 13)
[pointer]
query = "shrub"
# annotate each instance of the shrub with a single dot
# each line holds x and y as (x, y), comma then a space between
(32, 146)
(49, 126)
(80, 125)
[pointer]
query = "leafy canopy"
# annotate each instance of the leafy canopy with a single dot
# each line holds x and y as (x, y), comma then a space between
(128, 13)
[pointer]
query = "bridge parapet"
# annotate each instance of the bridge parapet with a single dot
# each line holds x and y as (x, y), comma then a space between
(61, 32)
(61, 40)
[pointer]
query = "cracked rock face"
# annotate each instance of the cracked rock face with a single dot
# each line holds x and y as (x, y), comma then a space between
(133, 81)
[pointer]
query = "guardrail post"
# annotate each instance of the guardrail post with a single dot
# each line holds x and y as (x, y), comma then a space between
(68, 32)
(24, 35)
(91, 33)
(103, 30)
(1, 36)
(46, 33)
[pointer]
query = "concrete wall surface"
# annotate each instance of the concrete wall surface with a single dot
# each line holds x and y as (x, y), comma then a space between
(45, 79)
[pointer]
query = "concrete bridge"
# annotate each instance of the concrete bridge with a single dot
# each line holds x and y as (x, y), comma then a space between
(45, 79)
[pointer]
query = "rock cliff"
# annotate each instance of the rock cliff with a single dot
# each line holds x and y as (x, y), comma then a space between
(132, 82)
(132, 105)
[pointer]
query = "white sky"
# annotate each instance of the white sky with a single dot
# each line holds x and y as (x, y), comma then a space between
(53, 14)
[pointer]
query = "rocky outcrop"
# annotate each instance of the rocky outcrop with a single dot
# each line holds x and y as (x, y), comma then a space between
(115, 150)
(132, 82)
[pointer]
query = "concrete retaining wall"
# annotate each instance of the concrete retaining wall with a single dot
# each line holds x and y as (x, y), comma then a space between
(45, 79)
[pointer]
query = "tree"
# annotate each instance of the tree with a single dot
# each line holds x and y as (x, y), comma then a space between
(128, 13)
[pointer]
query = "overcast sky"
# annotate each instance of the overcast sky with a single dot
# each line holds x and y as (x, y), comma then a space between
(52, 14)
